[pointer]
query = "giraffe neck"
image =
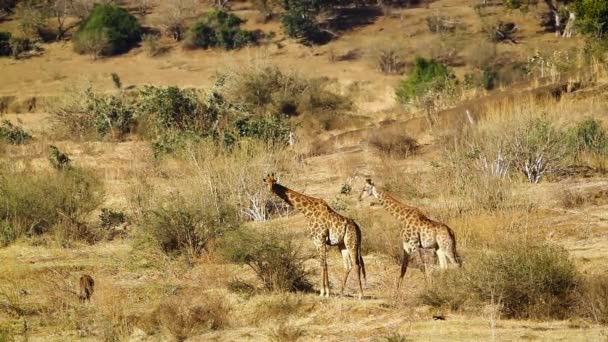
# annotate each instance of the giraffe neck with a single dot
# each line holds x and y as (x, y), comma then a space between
(293, 198)
(394, 207)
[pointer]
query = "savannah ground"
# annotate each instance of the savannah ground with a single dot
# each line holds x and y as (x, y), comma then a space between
(145, 294)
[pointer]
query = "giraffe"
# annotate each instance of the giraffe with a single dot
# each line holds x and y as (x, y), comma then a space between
(418, 231)
(327, 227)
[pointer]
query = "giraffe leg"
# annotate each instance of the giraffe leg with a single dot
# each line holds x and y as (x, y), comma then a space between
(441, 255)
(423, 263)
(325, 273)
(323, 262)
(347, 266)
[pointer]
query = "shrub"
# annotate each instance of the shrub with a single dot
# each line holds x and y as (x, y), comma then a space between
(182, 228)
(591, 17)
(13, 134)
(527, 280)
(85, 114)
(273, 257)
(270, 129)
(588, 136)
(388, 58)
(269, 90)
(536, 148)
(58, 159)
(594, 298)
(95, 43)
(20, 45)
(440, 24)
(5, 44)
(298, 22)
(394, 143)
(151, 45)
(489, 78)
(172, 108)
(427, 75)
(219, 28)
(185, 316)
(111, 23)
(110, 218)
(35, 203)
(285, 333)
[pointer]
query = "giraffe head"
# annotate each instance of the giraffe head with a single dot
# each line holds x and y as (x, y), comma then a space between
(368, 190)
(270, 180)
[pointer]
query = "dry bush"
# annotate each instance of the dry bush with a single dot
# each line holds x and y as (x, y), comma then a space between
(527, 280)
(216, 189)
(151, 44)
(593, 301)
(285, 332)
(267, 89)
(393, 143)
(388, 57)
(441, 24)
(55, 201)
(185, 316)
(482, 55)
(276, 307)
(274, 258)
(572, 199)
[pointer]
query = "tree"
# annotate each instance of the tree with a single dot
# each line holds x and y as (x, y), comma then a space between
(559, 10)
(592, 16)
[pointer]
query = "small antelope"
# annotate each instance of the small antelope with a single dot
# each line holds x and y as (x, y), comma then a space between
(87, 285)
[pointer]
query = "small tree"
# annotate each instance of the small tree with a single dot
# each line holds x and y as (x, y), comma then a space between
(218, 28)
(110, 22)
(428, 75)
(592, 17)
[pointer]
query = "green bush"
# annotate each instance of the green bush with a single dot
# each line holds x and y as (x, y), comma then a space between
(271, 129)
(274, 258)
(109, 218)
(298, 23)
(219, 28)
(19, 45)
(58, 159)
(5, 44)
(35, 203)
(592, 17)
(490, 78)
(588, 136)
(526, 280)
(427, 75)
(13, 134)
(110, 22)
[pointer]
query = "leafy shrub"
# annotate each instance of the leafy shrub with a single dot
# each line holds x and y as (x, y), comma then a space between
(58, 159)
(35, 203)
(174, 108)
(298, 22)
(489, 78)
(13, 134)
(591, 17)
(19, 45)
(109, 218)
(588, 136)
(5, 44)
(274, 258)
(110, 22)
(427, 75)
(86, 113)
(527, 280)
(271, 129)
(219, 28)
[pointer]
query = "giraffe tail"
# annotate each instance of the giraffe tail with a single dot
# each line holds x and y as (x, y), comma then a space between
(362, 268)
